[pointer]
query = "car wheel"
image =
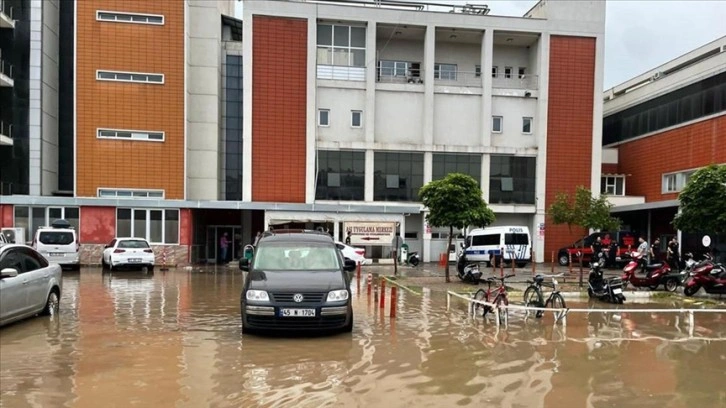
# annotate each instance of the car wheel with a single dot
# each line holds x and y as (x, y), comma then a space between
(104, 265)
(564, 260)
(349, 327)
(52, 304)
(150, 269)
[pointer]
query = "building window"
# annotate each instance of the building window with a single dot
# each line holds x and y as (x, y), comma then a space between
(31, 218)
(154, 136)
(675, 182)
(231, 153)
(669, 183)
(445, 163)
(154, 19)
(477, 71)
(137, 77)
(129, 193)
(527, 126)
(397, 176)
(341, 45)
(612, 185)
(388, 70)
(445, 71)
(156, 226)
(507, 72)
(497, 124)
(324, 117)
(521, 72)
(356, 118)
(341, 175)
(495, 72)
(512, 180)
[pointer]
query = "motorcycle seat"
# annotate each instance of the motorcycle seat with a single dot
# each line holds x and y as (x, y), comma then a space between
(655, 266)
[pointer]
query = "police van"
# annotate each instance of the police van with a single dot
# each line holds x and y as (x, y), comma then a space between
(484, 244)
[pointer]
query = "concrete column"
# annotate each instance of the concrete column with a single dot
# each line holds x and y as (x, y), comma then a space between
(336, 229)
(540, 128)
(486, 160)
(537, 240)
(428, 167)
(369, 116)
(428, 74)
(247, 107)
(426, 242)
(368, 185)
(487, 59)
(311, 123)
(597, 114)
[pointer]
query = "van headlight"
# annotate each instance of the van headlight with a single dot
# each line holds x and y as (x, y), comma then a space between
(257, 295)
(337, 295)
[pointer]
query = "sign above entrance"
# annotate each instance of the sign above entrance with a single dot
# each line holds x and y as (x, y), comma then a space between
(370, 233)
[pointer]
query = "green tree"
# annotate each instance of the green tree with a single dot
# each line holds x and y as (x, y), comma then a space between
(703, 202)
(455, 201)
(583, 211)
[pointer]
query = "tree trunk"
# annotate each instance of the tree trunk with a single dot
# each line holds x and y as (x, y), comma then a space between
(448, 248)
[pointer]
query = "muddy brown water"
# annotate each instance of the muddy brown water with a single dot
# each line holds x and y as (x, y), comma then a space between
(172, 339)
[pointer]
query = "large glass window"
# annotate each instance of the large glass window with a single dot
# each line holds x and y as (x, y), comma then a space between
(156, 226)
(231, 155)
(341, 175)
(397, 176)
(512, 180)
(31, 218)
(703, 98)
(341, 45)
(445, 71)
(445, 163)
(612, 185)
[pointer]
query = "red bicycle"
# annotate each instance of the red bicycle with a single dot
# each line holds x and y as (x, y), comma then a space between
(498, 294)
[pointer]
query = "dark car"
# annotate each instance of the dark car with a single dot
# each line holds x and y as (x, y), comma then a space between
(297, 280)
(626, 240)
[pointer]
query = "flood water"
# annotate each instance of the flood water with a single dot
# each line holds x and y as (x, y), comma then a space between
(172, 339)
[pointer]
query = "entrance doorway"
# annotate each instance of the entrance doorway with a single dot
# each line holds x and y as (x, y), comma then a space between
(213, 250)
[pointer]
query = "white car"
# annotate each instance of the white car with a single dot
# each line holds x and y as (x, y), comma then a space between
(59, 244)
(128, 252)
(28, 284)
(352, 253)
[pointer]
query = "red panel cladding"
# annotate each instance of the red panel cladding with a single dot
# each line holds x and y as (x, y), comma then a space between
(684, 148)
(6, 216)
(279, 108)
(609, 168)
(98, 225)
(186, 232)
(569, 126)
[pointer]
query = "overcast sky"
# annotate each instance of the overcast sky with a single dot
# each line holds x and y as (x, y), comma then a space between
(639, 35)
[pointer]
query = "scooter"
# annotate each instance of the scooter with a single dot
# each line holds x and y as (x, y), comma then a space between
(609, 290)
(708, 275)
(413, 259)
(467, 272)
(653, 274)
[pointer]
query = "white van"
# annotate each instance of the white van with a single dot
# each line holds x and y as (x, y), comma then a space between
(58, 244)
(483, 244)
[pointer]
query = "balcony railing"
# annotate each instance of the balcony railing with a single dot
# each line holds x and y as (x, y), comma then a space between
(341, 72)
(416, 76)
(514, 81)
(458, 78)
(398, 76)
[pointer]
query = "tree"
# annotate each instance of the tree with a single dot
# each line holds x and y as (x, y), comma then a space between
(583, 211)
(703, 202)
(455, 201)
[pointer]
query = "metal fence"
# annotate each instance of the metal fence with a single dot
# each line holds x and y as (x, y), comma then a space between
(515, 81)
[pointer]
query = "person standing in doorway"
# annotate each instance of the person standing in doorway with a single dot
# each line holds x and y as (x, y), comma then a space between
(674, 260)
(223, 246)
(347, 238)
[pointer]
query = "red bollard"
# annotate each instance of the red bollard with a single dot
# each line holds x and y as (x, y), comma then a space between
(358, 272)
(393, 301)
(531, 257)
(553, 263)
(370, 283)
(383, 293)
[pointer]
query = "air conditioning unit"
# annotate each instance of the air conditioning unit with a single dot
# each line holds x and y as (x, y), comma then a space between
(14, 235)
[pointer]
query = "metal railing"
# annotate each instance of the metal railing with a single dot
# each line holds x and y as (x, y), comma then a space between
(394, 76)
(6, 129)
(458, 78)
(341, 72)
(416, 76)
(6, 9)
(514, 81)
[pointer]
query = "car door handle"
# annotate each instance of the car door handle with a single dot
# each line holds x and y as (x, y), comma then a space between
(25, 282)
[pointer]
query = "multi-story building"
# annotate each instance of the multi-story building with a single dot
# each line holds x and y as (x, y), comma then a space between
(327, 113)
(659, 128)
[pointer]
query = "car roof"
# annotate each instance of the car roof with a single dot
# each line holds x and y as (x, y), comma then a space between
(130, 239)
(296, 236)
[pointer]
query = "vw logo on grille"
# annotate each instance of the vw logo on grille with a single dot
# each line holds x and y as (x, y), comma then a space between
(297, 298)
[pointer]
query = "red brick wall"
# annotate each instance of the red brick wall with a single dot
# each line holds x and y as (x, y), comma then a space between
(186, 231)
(688, 147)
(98, 225)
(609, 168)
(6, 216)
(569, 126)
(279, 103)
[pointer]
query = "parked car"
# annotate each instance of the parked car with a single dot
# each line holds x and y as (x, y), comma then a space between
(29, 285)
(627, 241)
(296, 280)
(58, 244)
(355, 254)
(128, 252)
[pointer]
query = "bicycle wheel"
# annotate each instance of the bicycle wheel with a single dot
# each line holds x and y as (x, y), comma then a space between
(557, 302)
(533, 298)
(501, 300)
(481, 295)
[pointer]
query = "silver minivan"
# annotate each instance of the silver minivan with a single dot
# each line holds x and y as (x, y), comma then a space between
(59, 244)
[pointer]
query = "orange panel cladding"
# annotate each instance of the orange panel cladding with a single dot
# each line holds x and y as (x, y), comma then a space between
(128, 47)
(684, 148)
(279, 106)
(569, 126)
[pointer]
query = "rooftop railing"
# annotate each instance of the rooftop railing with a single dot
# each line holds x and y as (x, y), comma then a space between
(514, 81)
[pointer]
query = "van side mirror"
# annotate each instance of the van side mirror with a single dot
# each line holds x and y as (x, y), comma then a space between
(350, 265)
(8, 273)
(244, 264)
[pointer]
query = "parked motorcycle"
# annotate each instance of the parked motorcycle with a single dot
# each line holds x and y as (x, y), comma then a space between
(467, 272)
(641, 274)
(708, 275)
(609, 290)
(413, 259)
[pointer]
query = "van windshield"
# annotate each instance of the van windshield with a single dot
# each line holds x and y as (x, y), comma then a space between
(296, 257)
(516, 239)
(56, 238)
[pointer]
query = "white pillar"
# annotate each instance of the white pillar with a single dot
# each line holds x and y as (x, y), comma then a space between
(368, 183)
(428, 74)
(540, 128)
(311, 128)
(426, 242)
(486, 160)
(486, 62)
(336, 229)
(369, 116)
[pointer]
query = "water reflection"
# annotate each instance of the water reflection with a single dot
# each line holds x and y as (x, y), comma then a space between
(173, 339)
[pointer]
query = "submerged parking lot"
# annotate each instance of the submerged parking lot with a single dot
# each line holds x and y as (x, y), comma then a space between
(173, 339)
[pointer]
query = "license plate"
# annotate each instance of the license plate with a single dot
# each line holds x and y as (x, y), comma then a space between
(134, 259)
(297, 312)
(617, 291)
(57, 254)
